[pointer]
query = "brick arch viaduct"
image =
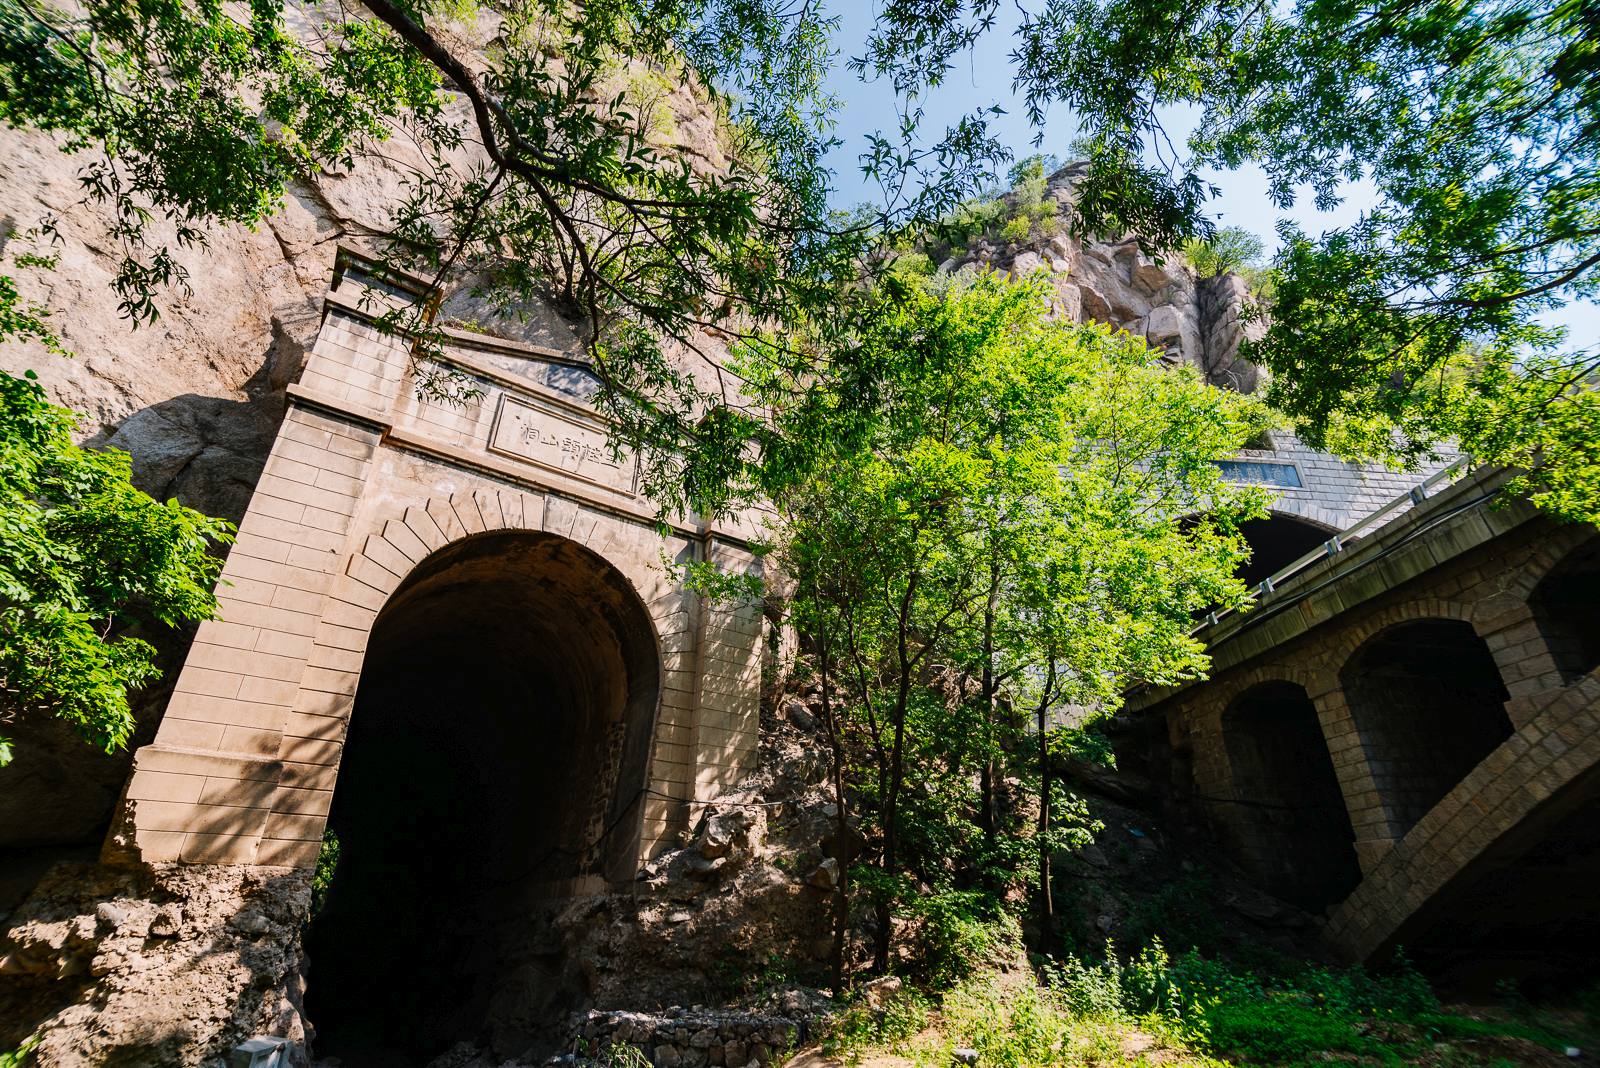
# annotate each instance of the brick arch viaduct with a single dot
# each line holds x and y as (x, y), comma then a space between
(1423, 703)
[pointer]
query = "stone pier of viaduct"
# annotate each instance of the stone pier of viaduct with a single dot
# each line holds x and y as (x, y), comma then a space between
(466, 617)
(1406, 735)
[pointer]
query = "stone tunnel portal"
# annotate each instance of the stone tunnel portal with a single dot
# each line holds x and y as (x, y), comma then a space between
(496, 762)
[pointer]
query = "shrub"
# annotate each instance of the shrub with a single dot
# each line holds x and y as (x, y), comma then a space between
(1011, 1026)
(912, 265)
(1232, 249)
(1084, 742)
(860, 1026)
(1180, 914)
(19, 1056)
(1087, 988)
(961, 931)
(1017, 229)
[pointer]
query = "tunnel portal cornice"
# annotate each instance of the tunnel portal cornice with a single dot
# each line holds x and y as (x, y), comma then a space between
(470, 354)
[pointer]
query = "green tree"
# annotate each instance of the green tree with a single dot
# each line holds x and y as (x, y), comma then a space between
(1232, 248)
(1003, 495)
(1474, 122)
(85, 558)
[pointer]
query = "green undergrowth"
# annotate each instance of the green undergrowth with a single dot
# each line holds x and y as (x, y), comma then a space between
(1149, 1009)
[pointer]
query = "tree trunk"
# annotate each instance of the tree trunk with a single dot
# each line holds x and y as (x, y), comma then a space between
(890, 859)
(1046, 899)
(988, 780)
(841, 897)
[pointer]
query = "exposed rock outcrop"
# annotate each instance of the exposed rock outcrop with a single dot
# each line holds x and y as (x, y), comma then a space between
(1192, 319)
(169, 965)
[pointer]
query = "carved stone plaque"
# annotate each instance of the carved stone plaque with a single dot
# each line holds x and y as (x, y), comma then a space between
(549, 437)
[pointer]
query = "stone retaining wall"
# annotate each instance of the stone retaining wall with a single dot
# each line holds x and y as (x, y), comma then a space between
(693, 1038)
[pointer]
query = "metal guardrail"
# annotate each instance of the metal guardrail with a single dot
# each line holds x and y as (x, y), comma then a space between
(1336, 544)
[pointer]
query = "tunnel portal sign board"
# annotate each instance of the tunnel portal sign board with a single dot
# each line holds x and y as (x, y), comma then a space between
(547, 436)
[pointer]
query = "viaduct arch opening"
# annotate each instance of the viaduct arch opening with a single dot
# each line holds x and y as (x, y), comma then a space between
(1429, 703)
(1566, 606)
(1523, 910)
(1293, 830)
(495, 764)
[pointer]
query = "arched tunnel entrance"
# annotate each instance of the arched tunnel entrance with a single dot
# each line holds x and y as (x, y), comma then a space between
(1276, 542)
(495, 762)
(1292, 830)
(1429, 704)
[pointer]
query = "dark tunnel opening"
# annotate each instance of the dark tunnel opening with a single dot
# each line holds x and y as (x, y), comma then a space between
(1429, 704)
(1275, 543)
(494, 764)
(1566, 606)
(1524, 914)
(1291, 827)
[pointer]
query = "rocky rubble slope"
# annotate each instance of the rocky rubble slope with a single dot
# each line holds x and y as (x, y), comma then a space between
(165, 965)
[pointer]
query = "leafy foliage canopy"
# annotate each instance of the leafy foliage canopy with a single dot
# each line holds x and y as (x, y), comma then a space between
(84, 557)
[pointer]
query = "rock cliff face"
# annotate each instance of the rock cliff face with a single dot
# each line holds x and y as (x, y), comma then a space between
(1193, 319)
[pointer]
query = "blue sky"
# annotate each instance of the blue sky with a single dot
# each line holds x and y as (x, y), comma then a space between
(984, 78)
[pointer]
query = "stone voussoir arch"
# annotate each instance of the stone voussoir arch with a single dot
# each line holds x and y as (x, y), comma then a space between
(1306, 511)
(398, 545)
(1216, 766)
(1553, 551)
(1354, 636)
(395, 546)
(1313, 679)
